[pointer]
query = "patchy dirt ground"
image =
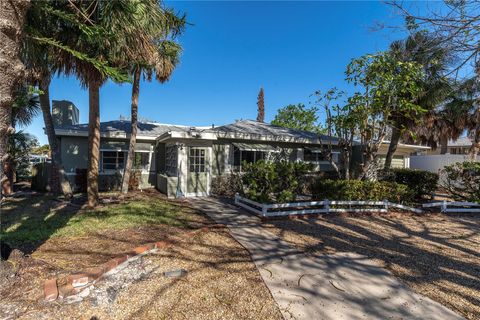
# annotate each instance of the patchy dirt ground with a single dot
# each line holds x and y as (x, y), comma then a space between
(436, 255)
(222, 282)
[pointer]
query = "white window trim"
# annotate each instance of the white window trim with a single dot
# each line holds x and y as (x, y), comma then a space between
(113, 171)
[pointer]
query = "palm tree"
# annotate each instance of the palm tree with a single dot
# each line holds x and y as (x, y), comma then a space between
(121, 38)
(12, 17)
(450, 119)
(429, 52)
(163, 27)
(24, 109)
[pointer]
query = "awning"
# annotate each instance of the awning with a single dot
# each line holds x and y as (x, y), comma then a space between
(320, 150)
(315, 150)
(255, 147)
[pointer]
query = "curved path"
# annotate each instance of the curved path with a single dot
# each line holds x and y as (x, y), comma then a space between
(330, 286)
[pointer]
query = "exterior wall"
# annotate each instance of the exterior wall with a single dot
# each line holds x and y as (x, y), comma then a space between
(435, 163)
(398, 161)
(74, 152)
(220, 158)
(182, 167)
(167, 185)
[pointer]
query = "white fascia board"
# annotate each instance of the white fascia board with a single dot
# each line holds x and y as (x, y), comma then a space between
(187, 135)
(272, 138)
(118, 135)
(413, 146)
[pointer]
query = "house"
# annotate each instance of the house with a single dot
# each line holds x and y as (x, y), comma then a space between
(182, 160)
(435, 160)
(460, 146)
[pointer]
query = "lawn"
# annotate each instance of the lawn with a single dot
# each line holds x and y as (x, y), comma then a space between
(28, 221)
(437, 255)
(59, 239)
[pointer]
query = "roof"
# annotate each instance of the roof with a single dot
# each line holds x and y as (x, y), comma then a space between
(255, 129)
(460, 142)
(242, 129)
(145, 129)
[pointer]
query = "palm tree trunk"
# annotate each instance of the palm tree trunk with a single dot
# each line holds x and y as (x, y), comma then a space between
(475, 148)
(93, 142)
(133, 135)
(12, 19)
(443, 144)
(392, 147)
(58, 179)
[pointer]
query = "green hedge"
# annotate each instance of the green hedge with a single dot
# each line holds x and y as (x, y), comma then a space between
(358, 190)
(421, 183)
(268, 182)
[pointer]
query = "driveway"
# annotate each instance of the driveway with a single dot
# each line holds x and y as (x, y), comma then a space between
(329, 286)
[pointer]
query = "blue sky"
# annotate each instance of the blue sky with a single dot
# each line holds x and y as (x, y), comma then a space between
(232, 49)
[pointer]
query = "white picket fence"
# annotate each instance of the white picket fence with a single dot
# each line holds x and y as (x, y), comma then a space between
(460, 207)
(313, 207)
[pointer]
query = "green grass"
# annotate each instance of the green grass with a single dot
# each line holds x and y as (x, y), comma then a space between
(32, 220)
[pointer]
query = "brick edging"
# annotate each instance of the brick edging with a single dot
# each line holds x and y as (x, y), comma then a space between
(77, 282)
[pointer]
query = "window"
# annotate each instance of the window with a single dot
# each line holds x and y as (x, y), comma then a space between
(196, 160)
(248, 156)
(113, 160)
(171, 154)
(310, 155)
(142, 160)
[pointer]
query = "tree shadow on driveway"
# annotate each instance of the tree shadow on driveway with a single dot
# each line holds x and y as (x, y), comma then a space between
(436, 255)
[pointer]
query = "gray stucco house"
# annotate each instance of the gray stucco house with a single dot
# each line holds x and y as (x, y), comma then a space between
(182, 160)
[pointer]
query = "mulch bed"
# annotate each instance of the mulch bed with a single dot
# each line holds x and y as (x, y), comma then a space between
(222, 281)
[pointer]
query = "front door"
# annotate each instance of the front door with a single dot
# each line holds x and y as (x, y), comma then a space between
(197, 179)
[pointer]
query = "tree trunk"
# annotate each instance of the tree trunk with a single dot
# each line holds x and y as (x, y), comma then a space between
(12, 19)
(443, 144)
(58, 179)
(475, 148)
(392, 147)
(133, 135)
(93, 142)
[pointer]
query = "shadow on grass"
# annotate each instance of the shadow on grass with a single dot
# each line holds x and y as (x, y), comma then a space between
(30, 219)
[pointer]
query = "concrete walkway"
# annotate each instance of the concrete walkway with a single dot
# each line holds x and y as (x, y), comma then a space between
(330, 286)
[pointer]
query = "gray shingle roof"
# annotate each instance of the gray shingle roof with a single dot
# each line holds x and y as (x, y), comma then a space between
(249, 127)
(123, 126)
(264, 129)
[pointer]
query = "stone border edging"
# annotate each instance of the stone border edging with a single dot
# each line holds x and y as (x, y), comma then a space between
(77, 282)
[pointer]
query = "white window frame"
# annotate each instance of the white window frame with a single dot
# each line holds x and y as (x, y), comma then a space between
(125, 155)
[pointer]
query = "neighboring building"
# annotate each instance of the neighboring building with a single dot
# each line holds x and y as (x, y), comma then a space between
(460, 146)
(435, 160)
(64, 112)
(181, 160)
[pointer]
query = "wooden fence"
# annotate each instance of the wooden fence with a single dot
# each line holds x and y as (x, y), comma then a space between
(314, 207)
(459, 207)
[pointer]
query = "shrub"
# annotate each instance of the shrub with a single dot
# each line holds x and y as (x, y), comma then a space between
(462, 181)
(358, 190)
(420, 182)
(273, 181)
(227, 185)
